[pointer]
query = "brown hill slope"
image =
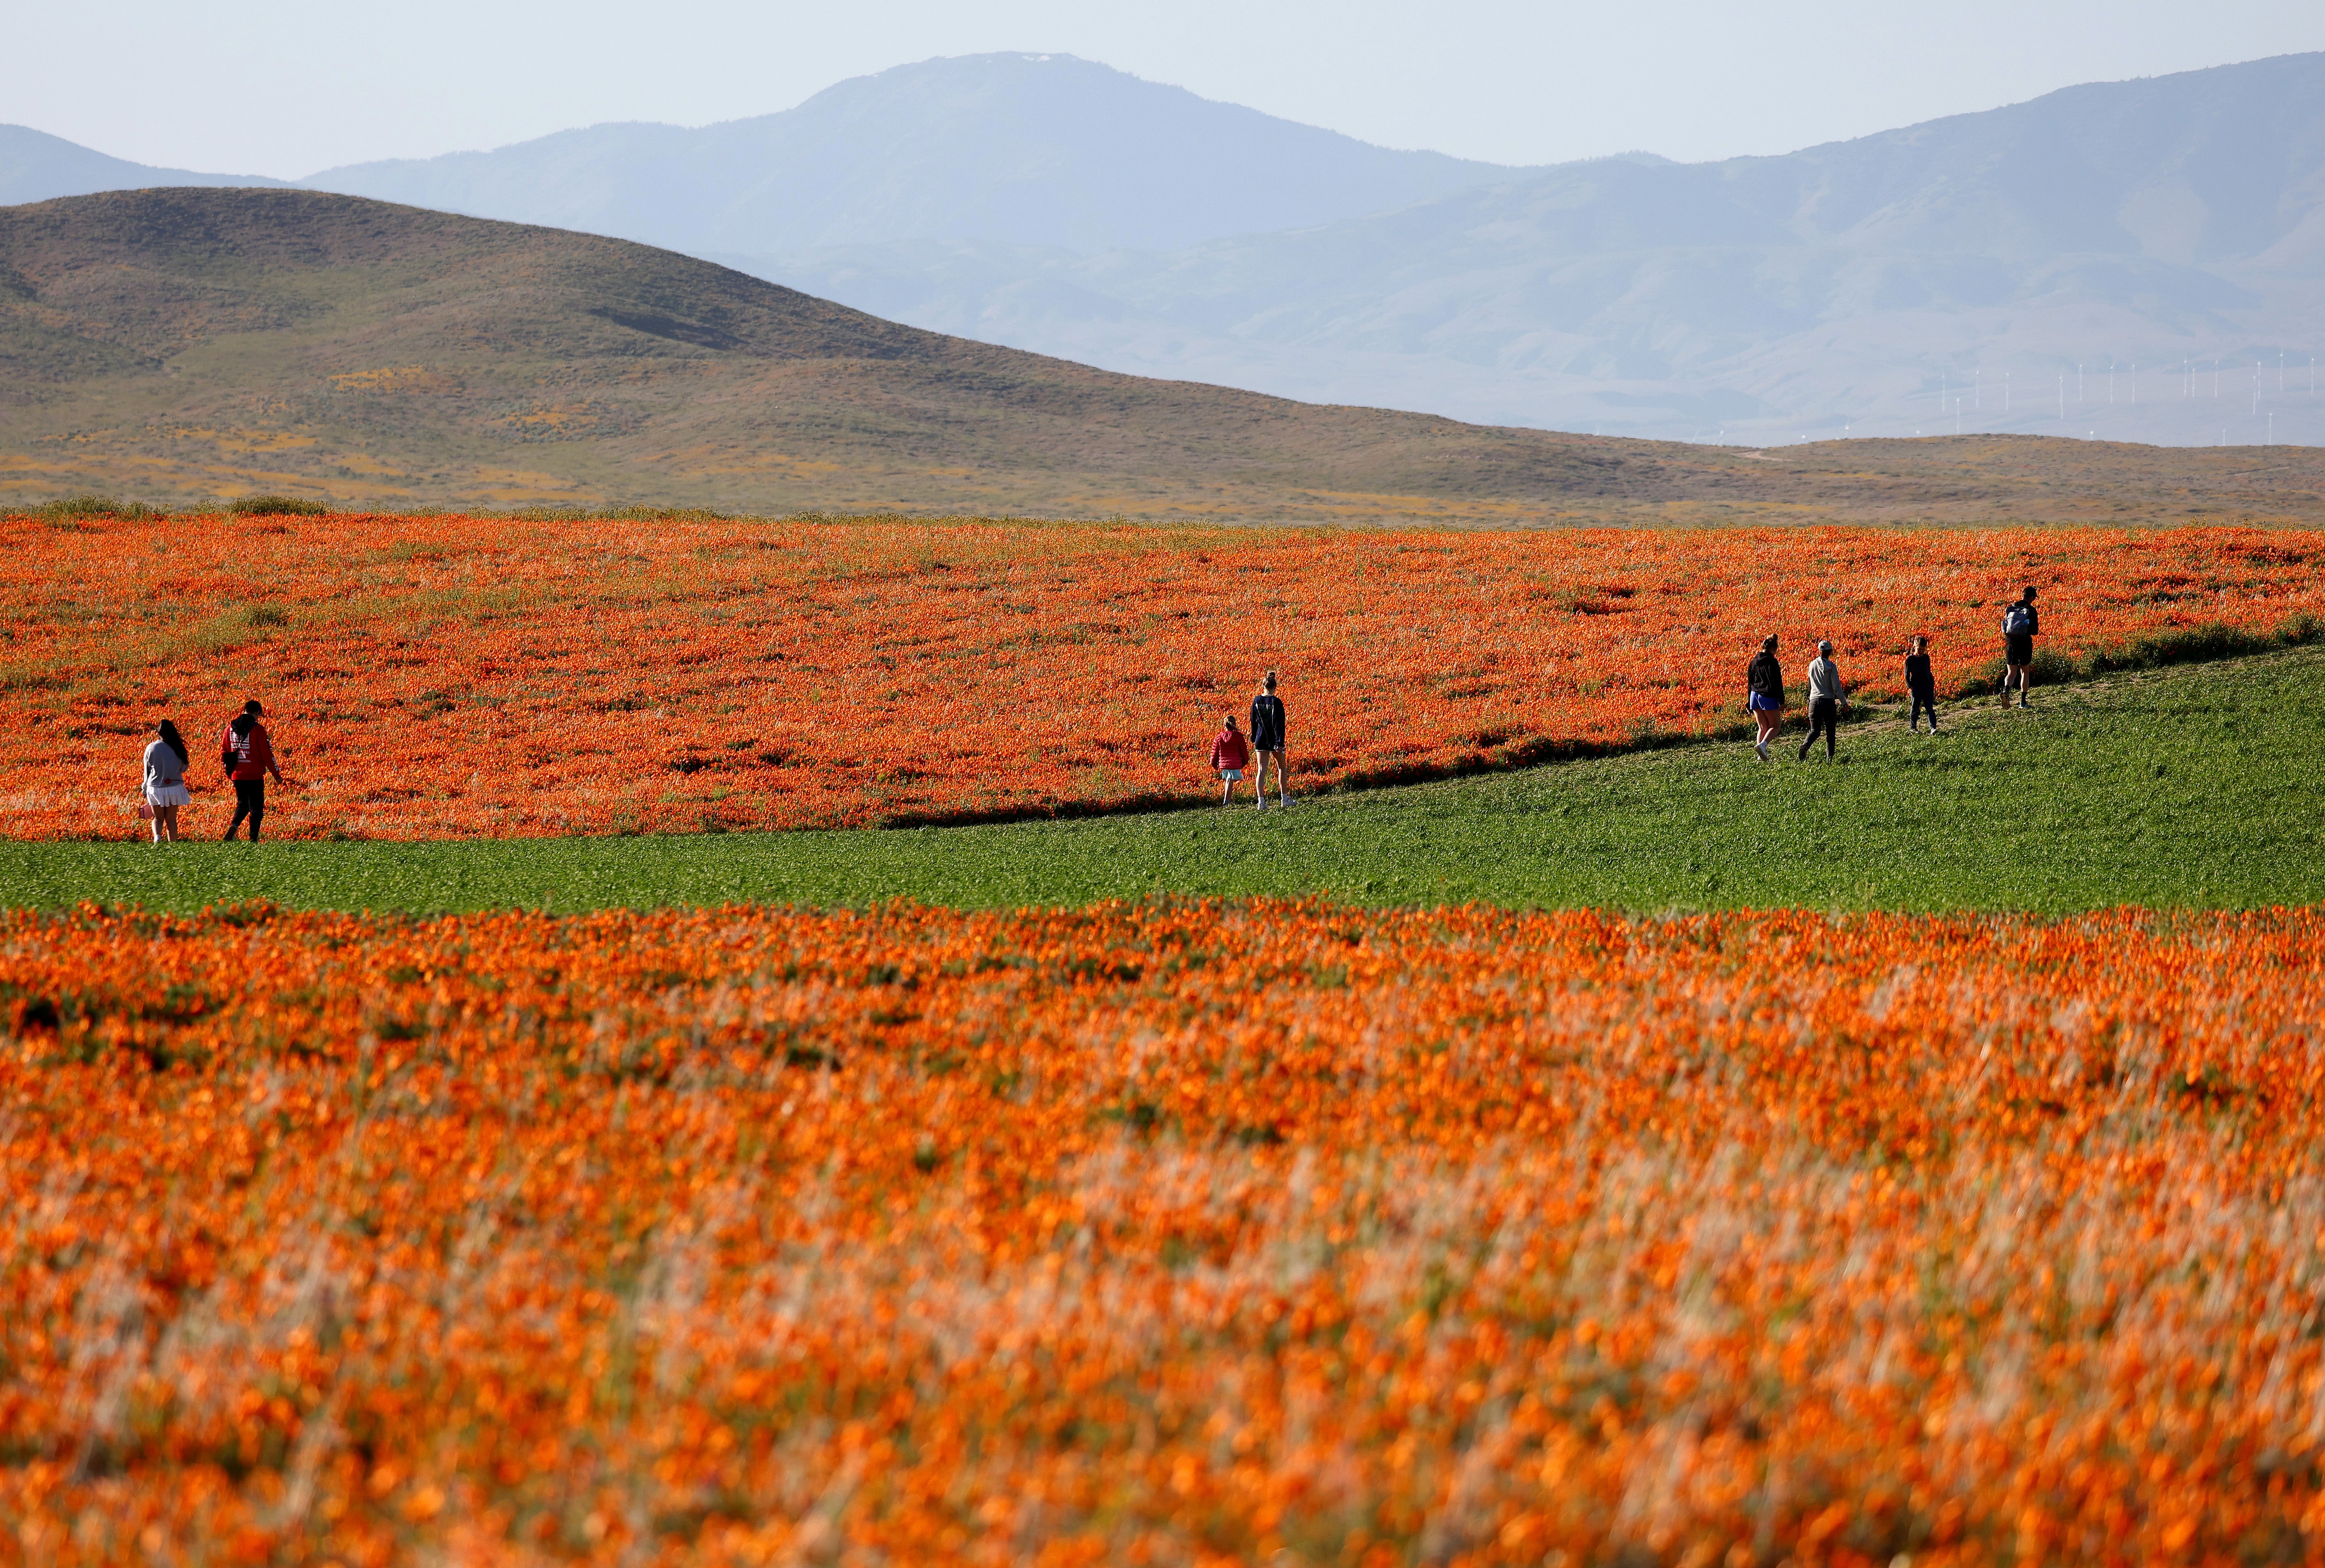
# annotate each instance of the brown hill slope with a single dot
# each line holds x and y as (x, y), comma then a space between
(183, 345)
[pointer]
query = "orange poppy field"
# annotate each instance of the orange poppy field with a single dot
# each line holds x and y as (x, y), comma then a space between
(1176, 1233)
(448, 676)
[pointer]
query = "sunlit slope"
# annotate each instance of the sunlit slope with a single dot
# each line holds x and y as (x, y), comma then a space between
(192, 344)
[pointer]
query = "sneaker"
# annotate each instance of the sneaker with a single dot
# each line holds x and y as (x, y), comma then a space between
(1761, 747)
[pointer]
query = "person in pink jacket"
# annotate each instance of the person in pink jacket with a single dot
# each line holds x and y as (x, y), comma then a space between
(1230, 754)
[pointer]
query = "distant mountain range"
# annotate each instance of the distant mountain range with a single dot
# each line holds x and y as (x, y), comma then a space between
(2005, 270)
(1011, 149)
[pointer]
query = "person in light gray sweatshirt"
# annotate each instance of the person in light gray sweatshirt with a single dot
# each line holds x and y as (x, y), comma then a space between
(1826, 697)
(166, 781)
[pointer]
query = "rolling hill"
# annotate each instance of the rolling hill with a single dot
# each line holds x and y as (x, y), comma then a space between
(186, 345)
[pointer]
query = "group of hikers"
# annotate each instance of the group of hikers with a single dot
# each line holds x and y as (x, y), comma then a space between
(1764, 682)
(246, 752)
(1233, 751)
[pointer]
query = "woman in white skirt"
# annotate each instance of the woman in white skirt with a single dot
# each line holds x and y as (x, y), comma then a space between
(166, 781)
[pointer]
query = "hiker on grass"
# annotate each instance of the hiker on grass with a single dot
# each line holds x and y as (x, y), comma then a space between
(2020, 626)
(1827, 698)
(1267, 741)
(1230, 754)
(166, 781)
(1764, 685)
(1920, 684)
(249, 755)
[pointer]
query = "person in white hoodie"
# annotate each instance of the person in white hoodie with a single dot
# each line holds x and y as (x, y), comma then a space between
(1827, 698)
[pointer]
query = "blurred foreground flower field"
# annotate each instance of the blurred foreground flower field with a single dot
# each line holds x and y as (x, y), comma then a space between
(1175, 1233)
(483, 677)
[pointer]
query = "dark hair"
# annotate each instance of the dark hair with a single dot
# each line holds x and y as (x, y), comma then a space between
(173, 739)
(243, 724)
(2029, 592)
(252, 708)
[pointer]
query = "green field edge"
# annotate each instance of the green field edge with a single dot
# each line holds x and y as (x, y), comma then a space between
(2179, 787)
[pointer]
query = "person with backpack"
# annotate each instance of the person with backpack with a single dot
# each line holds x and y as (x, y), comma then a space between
(2021, 624)
(1763, 695)
(1827, 698)
(1920, 684)
(166, 781)
(1230, 754)
(1267, 741)
(248, 753)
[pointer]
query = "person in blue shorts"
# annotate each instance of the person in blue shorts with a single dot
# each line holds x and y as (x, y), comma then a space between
(1763, 695)
(1266, 742)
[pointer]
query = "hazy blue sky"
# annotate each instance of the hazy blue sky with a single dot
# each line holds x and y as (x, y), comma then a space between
(269, 86)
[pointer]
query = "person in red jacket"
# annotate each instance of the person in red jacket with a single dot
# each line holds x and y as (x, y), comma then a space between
(249, 757)
(1230, 754)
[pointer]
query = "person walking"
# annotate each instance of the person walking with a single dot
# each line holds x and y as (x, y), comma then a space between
(1230, 754)
(1920, 684)
(166, 780)
(1267, 741)
(2021, 624)
(1827, 696)
(1763, 695)
(248, 753)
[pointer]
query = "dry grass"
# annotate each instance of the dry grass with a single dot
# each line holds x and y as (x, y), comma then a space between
(188, 346)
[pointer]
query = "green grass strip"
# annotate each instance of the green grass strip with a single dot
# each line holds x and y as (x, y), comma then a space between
(2195, 787)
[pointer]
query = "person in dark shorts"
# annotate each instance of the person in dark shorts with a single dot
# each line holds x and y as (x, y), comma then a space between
(1920, 684)
(1827, 696)
(1266, 742)
(1763, 695)
(2021, 624)
(248, 753)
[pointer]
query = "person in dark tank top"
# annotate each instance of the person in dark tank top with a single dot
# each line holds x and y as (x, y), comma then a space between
(1267, 742)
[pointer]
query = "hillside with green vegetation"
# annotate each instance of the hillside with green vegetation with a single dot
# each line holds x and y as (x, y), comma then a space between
(186, 345)
(2190, 787)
